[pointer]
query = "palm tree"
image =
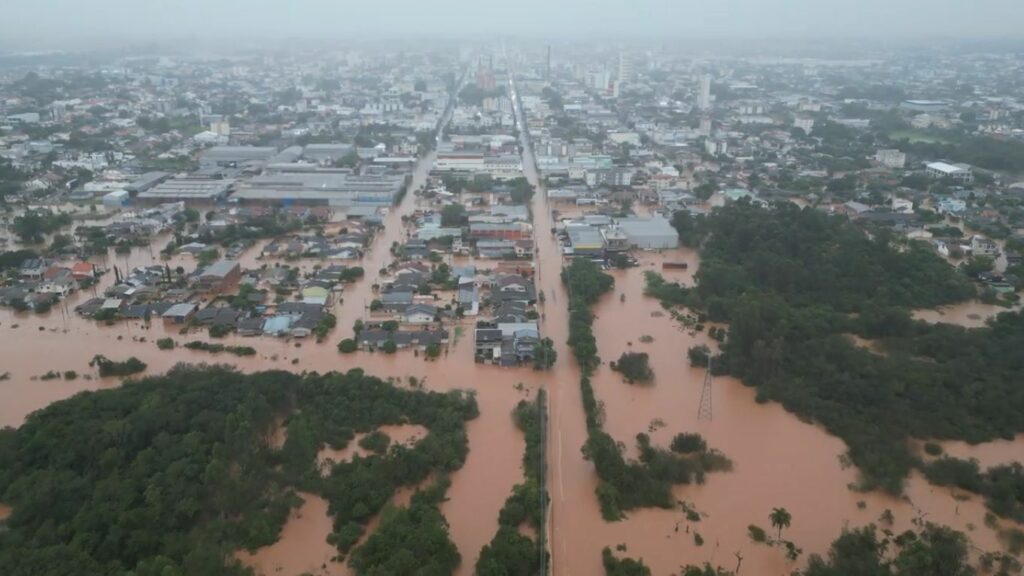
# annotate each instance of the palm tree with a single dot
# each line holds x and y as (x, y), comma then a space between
(780, 518)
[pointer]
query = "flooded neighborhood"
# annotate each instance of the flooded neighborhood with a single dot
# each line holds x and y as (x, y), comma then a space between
(415, 217)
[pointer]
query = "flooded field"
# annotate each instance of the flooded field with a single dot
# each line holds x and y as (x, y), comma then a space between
(971, 314)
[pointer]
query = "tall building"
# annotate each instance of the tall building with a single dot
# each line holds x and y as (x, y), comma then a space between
(627, 72)
(704, 92)
(547, 68)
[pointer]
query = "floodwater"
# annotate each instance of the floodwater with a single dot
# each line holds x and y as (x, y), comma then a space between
(5, 512)
(406, 434)
(987, 454)
(302, 547)
(60, 340)
(779, 460)
(971, 314)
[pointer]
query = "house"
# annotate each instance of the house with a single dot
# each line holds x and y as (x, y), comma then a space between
(981, 246)
(373, 338)
(951, 206)
(218, 316)
(277, 325)
(524, 343)
(83, 271)
(419, 314)
(396, 302)
(56, 280)
(220, 277)
(487, 344)
(513, 288)
(33, 268)
(495, 249)
(514, 312)
(250, 327)
(179, 313)
(315, 294)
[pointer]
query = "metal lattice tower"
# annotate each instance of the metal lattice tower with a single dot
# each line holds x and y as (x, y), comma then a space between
(704, 408)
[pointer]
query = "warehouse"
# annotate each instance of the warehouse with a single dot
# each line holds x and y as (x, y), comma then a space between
(188, 190)
(322, 188)
(653, 233)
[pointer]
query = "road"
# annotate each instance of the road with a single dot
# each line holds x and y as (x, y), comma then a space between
(566, 422)
(358, 296)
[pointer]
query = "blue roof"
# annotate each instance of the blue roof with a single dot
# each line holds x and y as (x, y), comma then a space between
(277, 324)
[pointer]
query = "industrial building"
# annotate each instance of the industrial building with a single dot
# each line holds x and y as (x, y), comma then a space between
(146, 181)
(653, 233)
(325, 188)
(188, 190)
(236, 156)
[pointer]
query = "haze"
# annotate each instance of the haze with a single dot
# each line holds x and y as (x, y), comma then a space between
(46, 24)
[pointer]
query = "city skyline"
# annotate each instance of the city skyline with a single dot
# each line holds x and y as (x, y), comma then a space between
(59, 24)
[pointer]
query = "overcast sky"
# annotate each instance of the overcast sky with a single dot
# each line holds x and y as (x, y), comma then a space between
(60, 23)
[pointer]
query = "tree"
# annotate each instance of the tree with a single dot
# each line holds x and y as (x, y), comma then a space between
(389, 346)
(780, 518)
(433, 350)
(544, 354)
(453, 215)
(978, 265)
(634, 366)
(347, 346)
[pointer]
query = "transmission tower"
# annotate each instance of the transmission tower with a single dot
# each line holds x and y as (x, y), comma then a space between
(704, 408)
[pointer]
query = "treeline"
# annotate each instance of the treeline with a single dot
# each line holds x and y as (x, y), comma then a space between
(615, 566)
(218, 348)
(1002, 486)
(178, 473)
(930, 550)
(981, 151)
(623, 485)
(511, 553)
(411, 540)
(793, 282)
(108, 367)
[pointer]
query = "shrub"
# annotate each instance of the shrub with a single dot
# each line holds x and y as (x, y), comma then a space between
(635, 366)
(757, 534)
(376, 441)
(165, 343)
(687, 443)
(699, 355)
(347, 346)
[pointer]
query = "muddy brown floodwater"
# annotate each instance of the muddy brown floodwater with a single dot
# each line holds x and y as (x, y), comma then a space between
(60, 340)
(302, 547)
(407, 434)
(972, 314)
(779, 460)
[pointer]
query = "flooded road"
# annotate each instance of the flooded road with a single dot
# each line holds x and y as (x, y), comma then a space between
(779, 460)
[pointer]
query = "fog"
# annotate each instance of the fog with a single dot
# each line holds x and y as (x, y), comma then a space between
(42, 24)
